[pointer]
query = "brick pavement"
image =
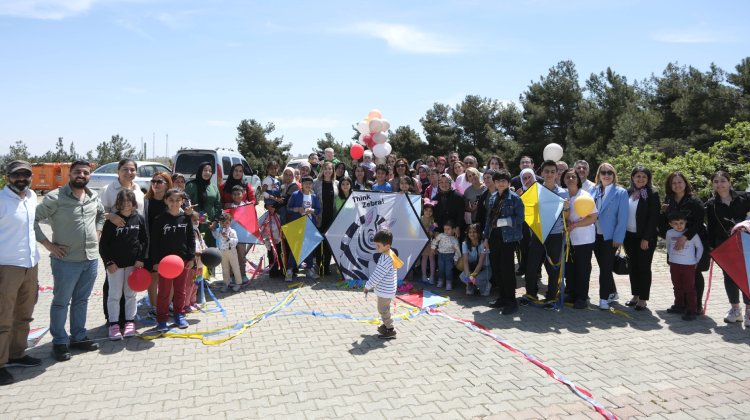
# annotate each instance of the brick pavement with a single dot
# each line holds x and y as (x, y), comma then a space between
(651, 365)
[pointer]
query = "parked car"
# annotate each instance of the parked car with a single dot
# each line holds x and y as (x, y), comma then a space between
(186, 162)
(105, 174)
(294, 163)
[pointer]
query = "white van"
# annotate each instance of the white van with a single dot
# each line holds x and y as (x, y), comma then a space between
(186, 162)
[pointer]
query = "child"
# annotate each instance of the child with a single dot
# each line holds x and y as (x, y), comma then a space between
(406, 185)
(476, 272)
(122, 249)
(191, 303)
(303, 203)
(238, 195)
(383, 281)
(428, 255)
(271, 184)
(226, 242)
(270, 230)
(448, 252)
(172, 234)
(381, 179)
(682, 265)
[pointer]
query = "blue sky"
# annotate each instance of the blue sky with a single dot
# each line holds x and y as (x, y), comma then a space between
(87, 69)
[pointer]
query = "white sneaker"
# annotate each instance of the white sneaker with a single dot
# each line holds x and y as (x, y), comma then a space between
(312, 274)
(734, 315)
(288, 277)
(441, 283)
(449, 285)
(604, 305)
(613, 297)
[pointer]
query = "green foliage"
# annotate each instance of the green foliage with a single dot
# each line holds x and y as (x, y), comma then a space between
(254, 143)
(406, 141)
(114, 150)
(340, 150)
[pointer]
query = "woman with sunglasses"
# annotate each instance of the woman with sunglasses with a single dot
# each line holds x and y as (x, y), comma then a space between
(154, 205)
(612, 204)
(401, 169)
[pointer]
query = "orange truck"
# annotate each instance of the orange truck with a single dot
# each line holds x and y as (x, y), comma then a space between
(48, 176)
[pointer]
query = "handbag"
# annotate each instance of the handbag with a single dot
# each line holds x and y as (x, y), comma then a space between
(621, 264)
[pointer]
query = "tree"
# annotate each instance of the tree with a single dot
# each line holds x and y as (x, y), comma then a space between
(741, 80)
(58, 155)
(114, 150)
(254, 143)
(340, 150)
(439, 130)
(18, 151)
(406, 143)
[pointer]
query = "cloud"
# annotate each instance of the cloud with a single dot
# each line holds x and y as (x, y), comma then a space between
(44, 9)
(406, 38)
(692, 37)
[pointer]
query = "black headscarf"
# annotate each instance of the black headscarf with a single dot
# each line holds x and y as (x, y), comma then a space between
(202, 184)
(231, 182)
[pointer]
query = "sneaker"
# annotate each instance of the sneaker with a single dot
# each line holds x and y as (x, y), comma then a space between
(674, 309)
(449, 285)
(469, 291)
(312, 274)
(84, 345)
(733, 315)
(288, 277)
(196, 307)
(162, 327)
(114, 332)
(688, 316)
(382, 329)
(510, 309)
(389, 333)
(550, 304)
(129, 329)
(526, 300)
(613, 297)
(181, 322)
(61, 352)
(236, 287)
(441, 283)
(171, 308)
(5, 377)
(25, 361)
(189, 309)
(604, 304)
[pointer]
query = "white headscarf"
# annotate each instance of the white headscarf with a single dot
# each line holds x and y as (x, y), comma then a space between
(526, 171)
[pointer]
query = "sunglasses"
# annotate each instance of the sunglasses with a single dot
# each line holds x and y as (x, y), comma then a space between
(158, 181)
(20, 174)
(606, 173)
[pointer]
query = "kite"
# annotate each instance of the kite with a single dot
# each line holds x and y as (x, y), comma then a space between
(733, 256)
(423, 299)
(302, 237)
(35, 335)
(350, 236)
(543, 207)
(245, 223)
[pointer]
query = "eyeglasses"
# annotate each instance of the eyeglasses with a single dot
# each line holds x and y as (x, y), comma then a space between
(158, 181)
(606, 173)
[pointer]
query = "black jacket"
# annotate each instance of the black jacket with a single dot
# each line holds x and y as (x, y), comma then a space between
(692, 207)
(647, 216)
(172, 235)
(449, 206)
(722, 218)
(126, 245)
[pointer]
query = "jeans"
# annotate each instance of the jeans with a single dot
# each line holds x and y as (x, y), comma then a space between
(73, 281)
(445, 266)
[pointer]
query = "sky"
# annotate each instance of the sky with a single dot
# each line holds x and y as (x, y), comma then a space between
(192, 70)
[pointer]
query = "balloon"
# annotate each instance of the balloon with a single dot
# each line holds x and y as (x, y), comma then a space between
(363, 127)
(376, 125)
(374, 113)
(386, 125)
(388, 148)
(380, 138)
(362, 140)
(552, 151)
(380, 151)
(583, 205)
(368, 140)
(139, 279)
(211, 257)
(356, 151)
(171, 266)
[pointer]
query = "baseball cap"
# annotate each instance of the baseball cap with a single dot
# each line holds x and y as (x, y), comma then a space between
(18, 165)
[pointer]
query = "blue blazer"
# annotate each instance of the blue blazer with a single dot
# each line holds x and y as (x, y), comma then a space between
(613, 212)
(296, 201)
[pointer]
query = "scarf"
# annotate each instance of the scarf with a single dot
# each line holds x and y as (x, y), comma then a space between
(231, 182)
(638, 194)
(520, 176)
(202, 185)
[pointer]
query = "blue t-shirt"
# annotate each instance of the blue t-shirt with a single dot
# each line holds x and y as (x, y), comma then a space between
(386, 187)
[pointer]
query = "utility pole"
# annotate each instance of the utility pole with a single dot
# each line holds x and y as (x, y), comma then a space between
(153, 144)
(167, 148)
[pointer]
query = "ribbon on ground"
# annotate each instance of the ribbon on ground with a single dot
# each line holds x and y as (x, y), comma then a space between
(411, 313)
(581, 392)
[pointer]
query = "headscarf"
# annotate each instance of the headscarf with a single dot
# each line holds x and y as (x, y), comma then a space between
(202, 184)
(231, 182)
(526, 171)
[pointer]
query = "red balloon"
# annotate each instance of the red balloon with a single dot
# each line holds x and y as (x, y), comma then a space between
(171, 266)
(139, 279)
(356, 151)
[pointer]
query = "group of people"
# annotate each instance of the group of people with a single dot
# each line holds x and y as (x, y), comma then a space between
(474, 216)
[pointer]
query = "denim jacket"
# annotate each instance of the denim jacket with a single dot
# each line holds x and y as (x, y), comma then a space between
(511, 206)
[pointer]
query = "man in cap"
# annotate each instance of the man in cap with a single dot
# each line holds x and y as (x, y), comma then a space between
(19, 260)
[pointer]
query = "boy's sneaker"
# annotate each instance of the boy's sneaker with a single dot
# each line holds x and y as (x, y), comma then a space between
(181, 321)
(613, 297)
(733, 315)
(129, 329)
(604, 304)
(312, 274)
(449, 285)
(580, 304)
(388, 333)
(25, 361)
(288, 277)
(469, 291)
(114, 332)
(441, 283)
(236, 287)
(550, 304)
(162, 327)
(382, 329)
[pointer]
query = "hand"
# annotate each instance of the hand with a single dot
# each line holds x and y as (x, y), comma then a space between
(679, 243)
(571, 226)
(212, 226)
(742, 226)
(616, 244)
(644, 245)
(486, 244)
(116, 220)
(155, 268)
(566, 204)
(664, 207)
(189, 211)
(189, 264)
(112, 268)
(138, 264)
(58, 251)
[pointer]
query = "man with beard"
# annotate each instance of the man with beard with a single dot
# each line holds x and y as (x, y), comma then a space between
(19, 260)
(76, 216)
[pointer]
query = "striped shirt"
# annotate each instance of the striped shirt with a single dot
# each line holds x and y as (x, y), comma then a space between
(383, 280)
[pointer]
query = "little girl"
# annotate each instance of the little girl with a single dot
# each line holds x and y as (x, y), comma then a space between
(476, 273)
(406, 185)
(446, 245)
(191, 303)
(122, 249)
(172, 234)
(238, 194)
(428, 255)
(270, 230)
(226, 242)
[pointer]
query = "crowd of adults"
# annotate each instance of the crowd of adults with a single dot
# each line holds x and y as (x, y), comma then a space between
(480, 204)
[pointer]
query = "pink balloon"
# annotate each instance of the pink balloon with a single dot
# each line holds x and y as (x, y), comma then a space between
(374, 113)
(171, 266)
(356, 151)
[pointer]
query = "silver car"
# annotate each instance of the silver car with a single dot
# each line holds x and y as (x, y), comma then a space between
(105, 174)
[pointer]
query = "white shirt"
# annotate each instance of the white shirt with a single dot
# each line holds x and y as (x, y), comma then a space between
(18, 246)
(689, 255)
(108, 196)
(585, 234)
(588, 185)
(633, 207)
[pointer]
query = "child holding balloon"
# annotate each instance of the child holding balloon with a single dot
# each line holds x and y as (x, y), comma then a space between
(173, 247)
(122, 249)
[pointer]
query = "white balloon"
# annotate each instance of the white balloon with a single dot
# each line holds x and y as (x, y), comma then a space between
(386, 125)
(380, 138)
(380, 150)
(362, 140)
(363, 127)
(376, 125)
(552, 151)
(388, 148)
